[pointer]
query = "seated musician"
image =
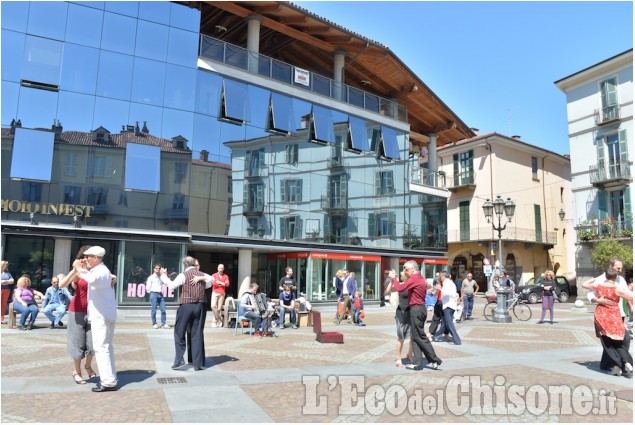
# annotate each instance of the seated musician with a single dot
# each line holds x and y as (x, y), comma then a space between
(249, 305)
(287, 305)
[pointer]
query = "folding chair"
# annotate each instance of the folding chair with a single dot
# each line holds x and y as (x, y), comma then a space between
(240, 318)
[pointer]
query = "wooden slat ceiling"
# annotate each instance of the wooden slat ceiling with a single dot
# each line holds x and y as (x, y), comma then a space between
(294, 35)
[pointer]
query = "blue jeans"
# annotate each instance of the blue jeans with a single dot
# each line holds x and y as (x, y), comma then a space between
(53, 307)
(468, 305)
(30, 310)
(281, 312)
(154, 299)
(356, 316)
(448, 326)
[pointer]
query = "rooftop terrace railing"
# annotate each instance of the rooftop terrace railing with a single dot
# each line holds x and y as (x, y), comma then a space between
(239, 57)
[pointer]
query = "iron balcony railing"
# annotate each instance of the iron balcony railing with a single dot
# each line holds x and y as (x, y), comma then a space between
(606, 228)
(425, 177)
(239, 57)
(607, 114)
(509, 234)
(606, 171)
(177, 213)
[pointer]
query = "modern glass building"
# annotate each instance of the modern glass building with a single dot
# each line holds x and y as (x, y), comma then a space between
(158, 129)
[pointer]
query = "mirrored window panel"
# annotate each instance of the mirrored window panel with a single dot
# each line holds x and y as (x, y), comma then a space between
(115, 75)
(149, 117)
(9, 106)
(259, 99)
(128, 8)
(358, 135)
(389, 145)
(322, 125)
(148, 81)
(110, 114)
(84, 25)
(15, 15)
(183, 47)
(37, 108)
(75, 111)
(152, 40)
(143, 167)
(155, 11)
(42, 13)
(177, 123)
(32, 156)
(208, 93)
(42, 61)
(92, 4)
(118, 31)
(79, 72)
(280, 119)
(187, 18)
(12, 48)
(180, 87)
(234, 102)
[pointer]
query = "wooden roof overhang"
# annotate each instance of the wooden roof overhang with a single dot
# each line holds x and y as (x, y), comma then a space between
(294, 35)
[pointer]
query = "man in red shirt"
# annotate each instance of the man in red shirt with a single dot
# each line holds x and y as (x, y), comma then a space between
(416, 286)
(219, 287)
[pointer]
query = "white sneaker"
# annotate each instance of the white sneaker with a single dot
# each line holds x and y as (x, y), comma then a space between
(434, 365)
(166, 326)
(155, 326)
(617, 371)
(628, 367)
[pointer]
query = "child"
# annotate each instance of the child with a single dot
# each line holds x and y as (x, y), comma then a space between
(431, 298)
(358, 308)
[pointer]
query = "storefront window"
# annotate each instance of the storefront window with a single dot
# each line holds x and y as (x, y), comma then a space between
(32, 257)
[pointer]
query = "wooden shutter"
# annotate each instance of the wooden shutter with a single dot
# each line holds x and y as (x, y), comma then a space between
(603, 209)
(372, 225)
(623, 147)
(283, 228)
(538, 223)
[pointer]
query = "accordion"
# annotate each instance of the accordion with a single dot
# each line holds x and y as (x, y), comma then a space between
(259, 300)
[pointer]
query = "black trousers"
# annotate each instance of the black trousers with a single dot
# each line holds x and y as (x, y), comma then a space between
(606, 363)
(190, 315)
(437, 318)
(420, 342)
(615, 352)
(188, 338)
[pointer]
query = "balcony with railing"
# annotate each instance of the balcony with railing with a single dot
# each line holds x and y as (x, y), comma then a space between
(607, 114)
(610, 228)
(333, 205)
(255, 63)
(611, 173)
(428, 182)
(254, 209)
(515, 234)
(177, 213)
(460, 181)
(255, 172)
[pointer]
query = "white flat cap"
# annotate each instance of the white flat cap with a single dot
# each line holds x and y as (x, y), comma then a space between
(97, 251)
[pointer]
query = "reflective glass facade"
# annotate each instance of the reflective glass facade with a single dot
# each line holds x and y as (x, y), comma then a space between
(138, 136)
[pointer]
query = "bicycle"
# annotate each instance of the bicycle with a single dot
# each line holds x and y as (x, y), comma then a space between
(521, 311)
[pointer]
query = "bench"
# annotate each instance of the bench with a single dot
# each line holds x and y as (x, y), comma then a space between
(324, 337)
(13, 315)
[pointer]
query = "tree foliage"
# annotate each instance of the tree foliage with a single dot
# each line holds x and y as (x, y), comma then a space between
(609, 249)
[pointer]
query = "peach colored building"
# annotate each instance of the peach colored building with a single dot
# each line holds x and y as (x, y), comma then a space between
(537, 180)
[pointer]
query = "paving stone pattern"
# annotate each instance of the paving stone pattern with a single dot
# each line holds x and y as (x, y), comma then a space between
(248, 379)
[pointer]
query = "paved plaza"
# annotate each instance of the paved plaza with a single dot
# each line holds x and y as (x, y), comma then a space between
(514, 372)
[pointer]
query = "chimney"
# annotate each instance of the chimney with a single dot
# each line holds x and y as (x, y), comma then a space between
(516, 137)
(145, 128)
(204, 155)
(137, 131)
(57, 127)
(474, 129)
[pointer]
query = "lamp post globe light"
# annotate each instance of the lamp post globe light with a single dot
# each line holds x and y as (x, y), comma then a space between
(498, 207)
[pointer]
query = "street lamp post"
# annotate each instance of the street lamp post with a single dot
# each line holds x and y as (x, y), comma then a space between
(498, 207)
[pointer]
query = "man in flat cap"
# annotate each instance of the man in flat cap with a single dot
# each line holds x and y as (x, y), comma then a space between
(102, 315)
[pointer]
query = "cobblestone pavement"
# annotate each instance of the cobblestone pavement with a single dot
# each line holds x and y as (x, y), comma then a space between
(503, 372)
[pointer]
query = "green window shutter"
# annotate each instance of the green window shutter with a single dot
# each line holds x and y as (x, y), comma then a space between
(392, 220)
(623, 147)
(538, 223)
(344, 191)
(455, 161)
(609, 93)
(261, 157)
(298, 228)
(378, 183)
(247, 160)
(299, 190)
(628, 218)
(283, 228)
(372, 225)
(283, 190)
(603, 209)
(391, 183)
(245, 195)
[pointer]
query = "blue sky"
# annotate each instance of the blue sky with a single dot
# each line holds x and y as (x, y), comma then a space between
(495, 63)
